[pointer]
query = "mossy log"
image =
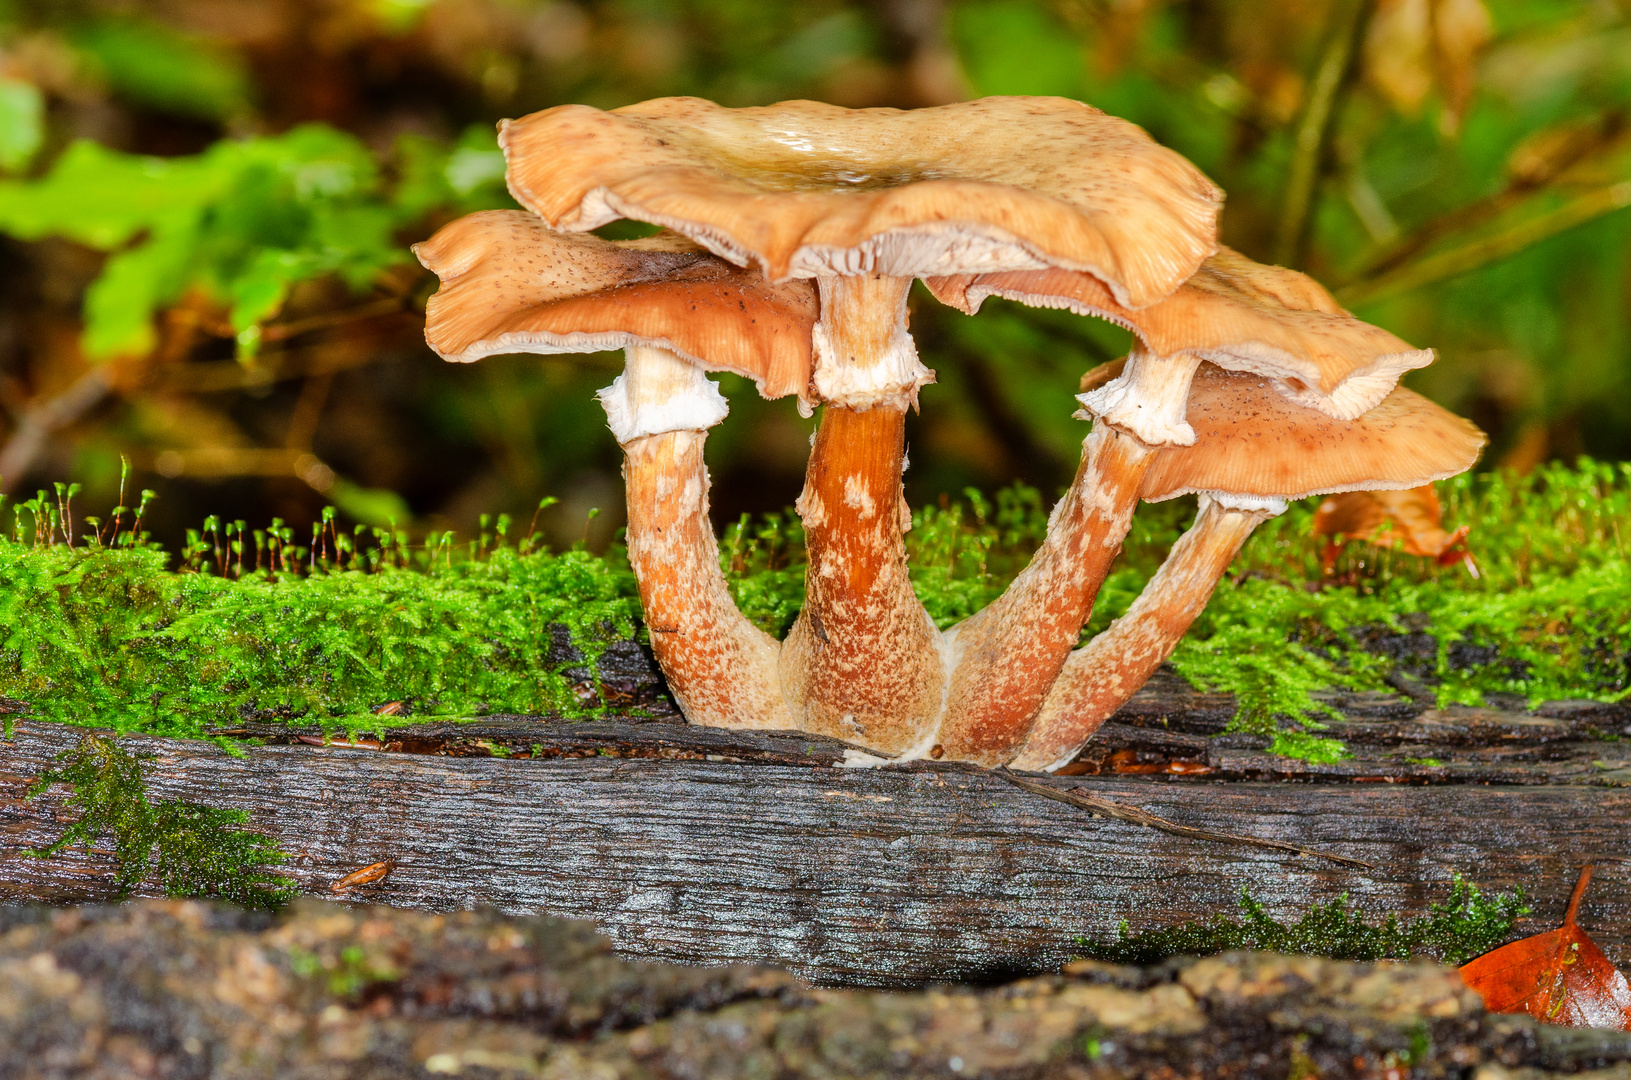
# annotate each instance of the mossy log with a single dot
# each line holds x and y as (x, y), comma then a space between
(181, 989)
(704, 847)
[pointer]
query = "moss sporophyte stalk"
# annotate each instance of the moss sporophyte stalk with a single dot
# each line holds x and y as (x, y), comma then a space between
(112, 631)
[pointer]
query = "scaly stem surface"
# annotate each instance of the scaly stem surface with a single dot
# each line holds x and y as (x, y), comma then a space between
(862, 662)
(1005, 657)
(1101, 676)
(720, 667)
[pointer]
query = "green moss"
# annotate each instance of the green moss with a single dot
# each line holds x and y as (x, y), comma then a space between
(191, 850)
(252, 624)
(105, 635)
(1466, 924)
(345, 974)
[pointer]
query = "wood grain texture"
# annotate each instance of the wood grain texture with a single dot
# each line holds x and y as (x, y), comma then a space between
(890, 877)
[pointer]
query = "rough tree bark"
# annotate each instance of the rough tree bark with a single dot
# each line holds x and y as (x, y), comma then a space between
(169, 989)
(704, 846)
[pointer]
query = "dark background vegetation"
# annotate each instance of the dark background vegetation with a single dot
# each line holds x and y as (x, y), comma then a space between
(241, 320)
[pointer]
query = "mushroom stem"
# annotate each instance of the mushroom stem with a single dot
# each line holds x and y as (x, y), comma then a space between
(1005, 657)
(1101, 676)
(862, 662)
(1149, 398)
(720, 667)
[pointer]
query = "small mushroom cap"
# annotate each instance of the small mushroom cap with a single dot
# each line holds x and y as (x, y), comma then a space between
(1236, 313)
(1250, 441)
(805, 189)
(512, 284)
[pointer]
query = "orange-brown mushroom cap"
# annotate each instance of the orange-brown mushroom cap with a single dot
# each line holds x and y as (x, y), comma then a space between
(805, 189)
(512, 284)
(1252, 442)
(1236, 313)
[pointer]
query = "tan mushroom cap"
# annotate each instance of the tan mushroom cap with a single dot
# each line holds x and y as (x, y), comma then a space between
(1236, 313)
(806, 189)
(511, 284)
(1250, 441)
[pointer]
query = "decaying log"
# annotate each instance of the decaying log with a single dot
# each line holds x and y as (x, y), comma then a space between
(700, 846)
(180, 989)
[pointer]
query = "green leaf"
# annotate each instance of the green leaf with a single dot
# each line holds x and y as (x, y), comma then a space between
(153, 65)
(102, 198)
(120, 304)
(371, 506)
(258, 293)
(469, 169)
(1014, 47)
(243, 222)
(22, 123)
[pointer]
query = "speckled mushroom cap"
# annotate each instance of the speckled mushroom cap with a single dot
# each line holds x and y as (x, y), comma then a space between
(805, 189)
(511, 284)
(1236, 313)
(1251, 441)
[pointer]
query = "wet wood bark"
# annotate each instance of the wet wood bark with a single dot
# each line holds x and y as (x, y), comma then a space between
(704, 846)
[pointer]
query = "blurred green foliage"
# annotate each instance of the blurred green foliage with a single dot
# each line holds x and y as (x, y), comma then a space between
(1466, 170)
(151, 64)
(22, 109)
(242, 222)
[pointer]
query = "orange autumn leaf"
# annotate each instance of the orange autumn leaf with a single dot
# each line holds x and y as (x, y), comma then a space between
(1559, 977)
(1410, 518)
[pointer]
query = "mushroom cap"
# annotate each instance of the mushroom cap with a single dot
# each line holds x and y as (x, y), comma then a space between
(1251, 441)
(511, 284)
(806, 189)
(1237, 314)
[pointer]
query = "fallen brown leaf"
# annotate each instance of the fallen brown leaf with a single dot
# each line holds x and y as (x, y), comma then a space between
(1559, 977)
(1411, 518)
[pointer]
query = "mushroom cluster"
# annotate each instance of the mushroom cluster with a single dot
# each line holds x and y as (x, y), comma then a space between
(791, 235)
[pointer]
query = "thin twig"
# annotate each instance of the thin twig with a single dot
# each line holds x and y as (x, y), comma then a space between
(1132, 814)
(42, 420)
(1491, 249)
(283, 331)
(1611, 138)
(1314, 129)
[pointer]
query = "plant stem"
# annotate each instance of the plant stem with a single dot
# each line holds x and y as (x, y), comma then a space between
(1480, 253)
(1314, 129)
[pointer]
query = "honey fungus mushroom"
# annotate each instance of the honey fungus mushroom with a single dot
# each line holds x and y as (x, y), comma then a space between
(1234, 313)
(511, 284)
(1254, 450)
(863, 201)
